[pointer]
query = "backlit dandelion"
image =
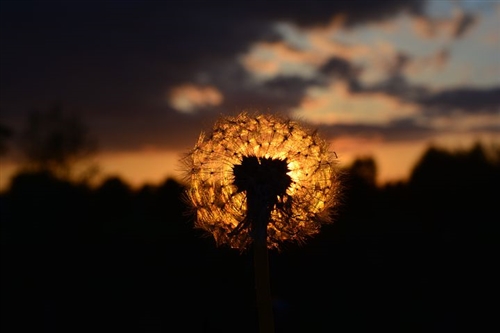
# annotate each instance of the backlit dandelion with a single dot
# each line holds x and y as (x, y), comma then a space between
(261, 180)
(261, 169)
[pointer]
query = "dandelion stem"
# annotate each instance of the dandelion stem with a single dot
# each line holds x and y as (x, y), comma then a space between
(262, 281)
(259, 212)
(263, 180)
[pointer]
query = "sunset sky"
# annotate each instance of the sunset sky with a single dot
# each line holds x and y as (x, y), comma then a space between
(377, 78)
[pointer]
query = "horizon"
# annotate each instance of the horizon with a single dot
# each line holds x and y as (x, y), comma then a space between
(178, 173)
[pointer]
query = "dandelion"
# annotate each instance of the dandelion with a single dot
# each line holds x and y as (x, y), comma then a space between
(261, 168)
(261, 180)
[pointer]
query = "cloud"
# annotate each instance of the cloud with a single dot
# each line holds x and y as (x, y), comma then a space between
(267, 60)
(114, 61)
(274, 95)
(485, 123)
(73, 51)
(337, 104)
(306, 58)
(384, 62)
(340, 68)
(399, 131)
(455, 26)
(466, 99)
(433, 62)
(189, 97)
(318, 12)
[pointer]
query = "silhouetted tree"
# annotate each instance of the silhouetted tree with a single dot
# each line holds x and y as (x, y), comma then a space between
(113, 208)
(55, 142)
(82, 257)
(364, 170)
(456, 186)
(360, 183)
(454, 193)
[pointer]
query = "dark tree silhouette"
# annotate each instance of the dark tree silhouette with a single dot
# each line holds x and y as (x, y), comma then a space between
(55, 142)
(415, 256)
(454, 195)
(364, 170)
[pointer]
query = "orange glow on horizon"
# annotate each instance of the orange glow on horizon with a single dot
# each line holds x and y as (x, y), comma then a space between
(136, 168)
(394, 160)
(142, 167)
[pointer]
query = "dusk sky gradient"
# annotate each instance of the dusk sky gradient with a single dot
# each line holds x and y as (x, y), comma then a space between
(377, 78)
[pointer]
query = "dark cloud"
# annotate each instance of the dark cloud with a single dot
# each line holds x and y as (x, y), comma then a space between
(409, 129)
(275, 95)
(197, 32)
(400, 62)
(449, 101)
(401, 130)
(318, 12)
(340, 68)
(397, 86)
(463, 24)
(468, 100)
(456, 26)
(77, 50)
(60, 48)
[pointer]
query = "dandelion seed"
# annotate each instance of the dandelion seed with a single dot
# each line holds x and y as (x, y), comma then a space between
(278, 166)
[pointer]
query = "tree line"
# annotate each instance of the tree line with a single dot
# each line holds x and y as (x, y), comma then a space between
(412, 256)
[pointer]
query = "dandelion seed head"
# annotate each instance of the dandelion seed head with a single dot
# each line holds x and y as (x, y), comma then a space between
(304, 196)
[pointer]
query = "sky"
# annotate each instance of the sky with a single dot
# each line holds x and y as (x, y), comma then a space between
(382, 79)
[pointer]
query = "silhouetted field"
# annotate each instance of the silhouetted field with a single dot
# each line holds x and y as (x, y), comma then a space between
(417, 256)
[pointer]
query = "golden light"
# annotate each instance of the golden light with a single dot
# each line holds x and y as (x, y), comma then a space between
(266, 161)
